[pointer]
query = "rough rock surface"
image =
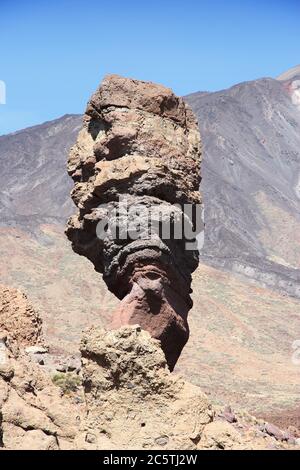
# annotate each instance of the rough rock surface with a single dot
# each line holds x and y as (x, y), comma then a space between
(33, 413)
(129, 400)
(126, 379)
(18, 319)
(141, 143)
(134, 402)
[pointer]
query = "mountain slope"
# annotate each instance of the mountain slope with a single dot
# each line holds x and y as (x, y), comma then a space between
(290, 74)
(34, 185)
(251, 174)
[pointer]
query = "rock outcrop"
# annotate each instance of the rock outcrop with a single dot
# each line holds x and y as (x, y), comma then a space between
(18, 319)
(129, 400)
(136, 168)
(33, 413)
(126, 380)
(133, 401)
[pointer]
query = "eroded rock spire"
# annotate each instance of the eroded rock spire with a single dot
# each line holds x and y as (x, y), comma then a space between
(136, 172)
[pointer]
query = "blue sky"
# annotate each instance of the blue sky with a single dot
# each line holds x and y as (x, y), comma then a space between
(54, 54)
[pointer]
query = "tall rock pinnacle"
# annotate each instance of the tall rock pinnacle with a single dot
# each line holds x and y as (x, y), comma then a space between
(136, 172)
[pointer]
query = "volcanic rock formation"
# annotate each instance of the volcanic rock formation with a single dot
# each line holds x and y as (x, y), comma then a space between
(136, 168)
(18, 319)
(134, 402)
(33, 414)
(124, 398)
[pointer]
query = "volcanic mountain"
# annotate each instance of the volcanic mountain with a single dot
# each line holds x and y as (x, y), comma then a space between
(251, 179)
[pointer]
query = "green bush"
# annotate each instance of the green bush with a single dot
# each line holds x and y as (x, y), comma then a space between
(67, 382)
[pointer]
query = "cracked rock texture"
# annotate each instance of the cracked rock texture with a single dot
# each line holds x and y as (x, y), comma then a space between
(33, 413)
(141, 143)
(18, 318)
(133, 401)
(126, 380)
(128, 400)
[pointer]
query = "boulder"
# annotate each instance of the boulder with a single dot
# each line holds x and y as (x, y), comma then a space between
(132, 399)
(20, 323)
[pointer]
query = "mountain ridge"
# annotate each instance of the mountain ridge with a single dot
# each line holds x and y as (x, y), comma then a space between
(250, 172)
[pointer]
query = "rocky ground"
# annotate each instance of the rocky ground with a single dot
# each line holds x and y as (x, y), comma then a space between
(121, 396)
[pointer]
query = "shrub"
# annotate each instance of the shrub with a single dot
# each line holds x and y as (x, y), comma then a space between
(67, 382)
